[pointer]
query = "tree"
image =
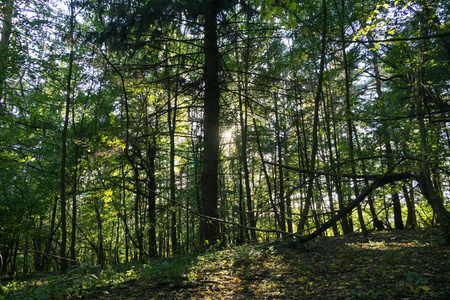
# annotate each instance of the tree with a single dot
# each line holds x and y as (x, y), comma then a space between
(7, 11)
(210, 228)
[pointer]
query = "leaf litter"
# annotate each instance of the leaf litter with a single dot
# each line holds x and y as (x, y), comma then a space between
(408, 264)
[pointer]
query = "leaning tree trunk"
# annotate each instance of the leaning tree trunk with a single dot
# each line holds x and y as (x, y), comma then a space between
(368, 190)
(425, 182)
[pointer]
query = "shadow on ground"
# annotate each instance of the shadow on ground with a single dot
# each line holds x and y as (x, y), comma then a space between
(396, 265)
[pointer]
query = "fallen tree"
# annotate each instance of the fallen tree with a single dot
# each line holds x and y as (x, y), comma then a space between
(385, 179)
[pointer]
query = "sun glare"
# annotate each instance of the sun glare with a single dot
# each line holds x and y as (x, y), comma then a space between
(227, 135)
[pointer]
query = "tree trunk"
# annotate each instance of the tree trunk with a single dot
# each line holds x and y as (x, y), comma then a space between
(264, 169)
(332, 162)
(309, 193)
(281, 201)
(411, 219)
(209, 228)
(151, 152)
(137, 215)
(348, 113)
(398, 222)
(426, 183)
(244, 128)
(4, 48)
(376, 222)
(100, 248)
(73, 255)
(62, 196)
(171, 121)
(386, 179)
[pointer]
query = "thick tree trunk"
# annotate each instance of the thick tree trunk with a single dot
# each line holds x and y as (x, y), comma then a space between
(251, 218)
(210, 229)
(4, 48)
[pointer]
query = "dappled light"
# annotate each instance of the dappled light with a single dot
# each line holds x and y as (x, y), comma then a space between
(385, 265)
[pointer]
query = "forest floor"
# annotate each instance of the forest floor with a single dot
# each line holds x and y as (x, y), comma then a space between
(387, 265)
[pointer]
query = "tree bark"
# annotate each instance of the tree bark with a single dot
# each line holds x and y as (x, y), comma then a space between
(309, 193)
(398, 222)
(62, 196)
(281, 200)
(210, 229)
(251, 218)
(172, 120)
(4, 48)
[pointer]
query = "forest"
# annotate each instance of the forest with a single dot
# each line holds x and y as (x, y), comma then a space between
(139, 130)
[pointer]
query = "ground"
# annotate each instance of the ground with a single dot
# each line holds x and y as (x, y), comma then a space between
(387, 265)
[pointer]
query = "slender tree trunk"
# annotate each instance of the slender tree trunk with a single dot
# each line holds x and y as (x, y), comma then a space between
(151, 152)
(348, 112)
(62, 197)
(171, 121)
(281, 201)
(25, 255)
(137, 214)
(264, 169)
(243, 233)
(376, 222)
(100, 249)
(48, 245)
(302, 154)
(332, 162)
(124, 215)
(210, 229)
(309, 193)
(345, 221)
(411, 219)
(73, 255)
